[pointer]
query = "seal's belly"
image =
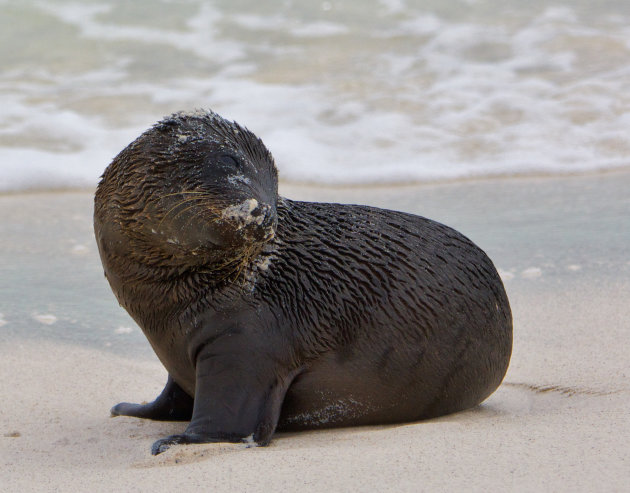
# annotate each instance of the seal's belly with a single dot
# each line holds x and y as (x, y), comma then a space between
(330, 393)
(382, 379)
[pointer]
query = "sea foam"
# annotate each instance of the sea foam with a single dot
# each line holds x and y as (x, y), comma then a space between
(384, 92)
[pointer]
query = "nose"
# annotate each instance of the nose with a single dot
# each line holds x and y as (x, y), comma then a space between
(264, 223)
(263, 215)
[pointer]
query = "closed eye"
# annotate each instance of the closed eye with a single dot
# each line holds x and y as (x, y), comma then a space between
(229, 161)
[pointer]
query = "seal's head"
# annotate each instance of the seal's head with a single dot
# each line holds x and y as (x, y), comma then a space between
(194, 191)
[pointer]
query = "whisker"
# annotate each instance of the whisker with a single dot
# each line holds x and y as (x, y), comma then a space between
(184, 210)
(184, 192)
(181, 202)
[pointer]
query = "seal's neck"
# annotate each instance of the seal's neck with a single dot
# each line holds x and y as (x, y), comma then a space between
(154, 294)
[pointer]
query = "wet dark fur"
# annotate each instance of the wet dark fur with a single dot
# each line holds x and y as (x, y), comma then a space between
(302, 315)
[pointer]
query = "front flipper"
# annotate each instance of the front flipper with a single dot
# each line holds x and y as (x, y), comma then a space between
(239, 392)
(173, 404)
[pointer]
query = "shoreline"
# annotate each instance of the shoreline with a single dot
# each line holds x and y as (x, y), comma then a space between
(461, 180)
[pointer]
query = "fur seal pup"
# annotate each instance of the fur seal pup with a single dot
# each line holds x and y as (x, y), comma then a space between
(270, 313)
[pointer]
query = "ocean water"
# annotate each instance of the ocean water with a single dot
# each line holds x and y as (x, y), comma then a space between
(342, 92)
(549, 238)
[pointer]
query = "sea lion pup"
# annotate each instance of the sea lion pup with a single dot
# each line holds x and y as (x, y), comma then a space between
(270, 313)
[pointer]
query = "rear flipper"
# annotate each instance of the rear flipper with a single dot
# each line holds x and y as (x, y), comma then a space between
(239, 392)
(173, 404)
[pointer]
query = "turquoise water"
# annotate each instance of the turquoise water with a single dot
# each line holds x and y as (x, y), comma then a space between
(352, 92)
(51, 279)
(547, 237)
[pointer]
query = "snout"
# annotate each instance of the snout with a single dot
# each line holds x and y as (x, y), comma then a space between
(252, 220)
(263, 226)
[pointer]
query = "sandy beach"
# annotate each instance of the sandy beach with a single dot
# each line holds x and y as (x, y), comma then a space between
(559, 422)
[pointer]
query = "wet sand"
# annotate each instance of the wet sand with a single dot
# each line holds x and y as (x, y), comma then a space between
(560, 421)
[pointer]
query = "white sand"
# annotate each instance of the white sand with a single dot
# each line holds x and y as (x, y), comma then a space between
(560, 422)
